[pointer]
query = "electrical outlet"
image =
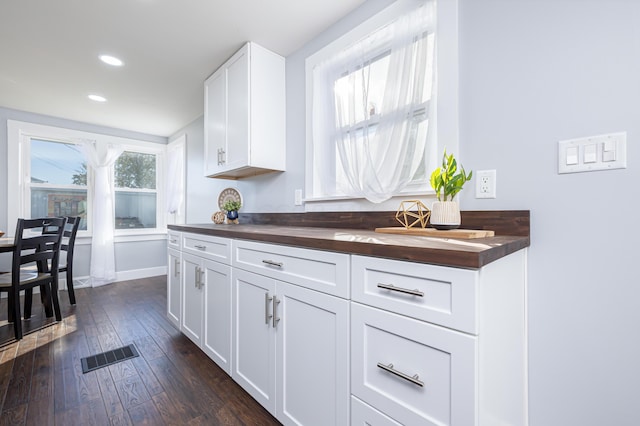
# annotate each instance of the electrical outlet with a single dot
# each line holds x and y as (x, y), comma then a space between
(485, 184)
(297, 197)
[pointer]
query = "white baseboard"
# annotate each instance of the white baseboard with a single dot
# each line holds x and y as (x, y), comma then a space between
(84, 282)
(134, 274)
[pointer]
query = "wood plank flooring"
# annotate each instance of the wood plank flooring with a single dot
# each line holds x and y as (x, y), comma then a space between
(172, 382)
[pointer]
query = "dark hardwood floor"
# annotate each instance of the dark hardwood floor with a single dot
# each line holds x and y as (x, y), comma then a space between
(172, 382)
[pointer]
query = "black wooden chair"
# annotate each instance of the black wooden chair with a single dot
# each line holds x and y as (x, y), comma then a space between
(67, 247)
(34, 246)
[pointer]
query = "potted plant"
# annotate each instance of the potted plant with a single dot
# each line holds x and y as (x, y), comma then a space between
(447, 181)
(232, 207)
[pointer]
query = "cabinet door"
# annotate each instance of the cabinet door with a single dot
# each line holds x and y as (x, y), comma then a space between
(312, 357)
(173, 287)
(254, 336)
(217, 313)
(237, 150)
(192, 305)
(215, 121)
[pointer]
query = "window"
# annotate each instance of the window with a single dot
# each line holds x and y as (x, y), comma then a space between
(136, 194)
(58, 180)
(54, 179)
(371, 107)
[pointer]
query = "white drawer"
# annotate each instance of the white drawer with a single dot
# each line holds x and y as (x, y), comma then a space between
(207, 246)
(319, 270)
(364, 415)
(442, 360)
(174, 239)
(437, 294)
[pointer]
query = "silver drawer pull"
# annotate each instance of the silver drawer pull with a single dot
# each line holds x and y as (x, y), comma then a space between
(413, 379)
(174, 241)
(200, 247)
(267, 300)
(276, 302)
(272, 263)
(176, 267)
(392, 287)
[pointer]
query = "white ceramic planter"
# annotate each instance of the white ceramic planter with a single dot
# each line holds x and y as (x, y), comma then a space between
(445, 215)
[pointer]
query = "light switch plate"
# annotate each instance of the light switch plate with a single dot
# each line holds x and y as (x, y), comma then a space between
(602, 152)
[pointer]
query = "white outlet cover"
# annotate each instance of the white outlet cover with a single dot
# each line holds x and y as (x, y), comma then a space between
(485, 183)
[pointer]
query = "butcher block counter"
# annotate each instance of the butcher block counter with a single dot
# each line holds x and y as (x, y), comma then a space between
(354, 233)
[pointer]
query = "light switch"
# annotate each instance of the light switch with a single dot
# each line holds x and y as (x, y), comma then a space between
(609, 150)
(590, 155)
(572, 155)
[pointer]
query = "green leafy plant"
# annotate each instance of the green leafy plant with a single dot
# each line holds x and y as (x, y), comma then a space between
(444, 179)
(231, 205)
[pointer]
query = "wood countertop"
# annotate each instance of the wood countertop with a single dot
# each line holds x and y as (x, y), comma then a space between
(461, 253)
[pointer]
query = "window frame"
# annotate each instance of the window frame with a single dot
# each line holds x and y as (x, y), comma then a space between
(446, 107)
(18, 155)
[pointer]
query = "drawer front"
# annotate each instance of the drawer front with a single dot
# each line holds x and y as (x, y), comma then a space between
(364, 415)
(174, 240)
(413, 371)
(437, 294)
(319, 270)
(209, 247)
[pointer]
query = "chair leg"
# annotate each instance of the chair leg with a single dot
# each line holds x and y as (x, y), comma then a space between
(72, 293)
(17, 323)
(11, 312)
(28, 301)
(54, 298)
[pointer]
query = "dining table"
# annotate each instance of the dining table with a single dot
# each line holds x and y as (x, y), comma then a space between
(7, 244)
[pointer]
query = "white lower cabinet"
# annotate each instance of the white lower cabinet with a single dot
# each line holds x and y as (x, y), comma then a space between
(324, 338)
(174, 297)
(291, 349)
(206, 305)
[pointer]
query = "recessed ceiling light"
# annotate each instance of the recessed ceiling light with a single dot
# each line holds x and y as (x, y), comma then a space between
(97, 98)
(111, 60)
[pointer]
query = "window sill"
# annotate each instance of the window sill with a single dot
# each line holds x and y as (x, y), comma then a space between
(335, 203)
(154, 235)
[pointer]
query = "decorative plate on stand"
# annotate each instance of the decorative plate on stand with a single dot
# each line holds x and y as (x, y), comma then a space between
(228, 194)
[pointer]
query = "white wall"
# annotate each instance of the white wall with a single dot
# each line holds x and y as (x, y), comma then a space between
(533, 72)
(201, 193)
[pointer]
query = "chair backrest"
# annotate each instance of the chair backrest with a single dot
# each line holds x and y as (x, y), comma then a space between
(38, 241)
(68, 238)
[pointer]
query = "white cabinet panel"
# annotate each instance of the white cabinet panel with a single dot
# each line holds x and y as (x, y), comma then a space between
(192, 305)
(365, 415)
(208, 247)
(323, 271)
(437, 294)
(312, 357)
(413, 371)
(174, 297)
(254, 345)
(217, 313)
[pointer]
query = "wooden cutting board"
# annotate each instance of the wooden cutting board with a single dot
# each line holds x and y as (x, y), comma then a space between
(431, 232)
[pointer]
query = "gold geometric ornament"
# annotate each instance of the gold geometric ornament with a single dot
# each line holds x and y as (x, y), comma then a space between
(413, 212)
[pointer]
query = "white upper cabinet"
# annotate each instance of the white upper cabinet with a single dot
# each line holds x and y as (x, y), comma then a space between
(244, 115)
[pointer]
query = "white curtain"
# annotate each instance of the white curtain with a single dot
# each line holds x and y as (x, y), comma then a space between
(380, 146)
(101, 158)
(175, 175)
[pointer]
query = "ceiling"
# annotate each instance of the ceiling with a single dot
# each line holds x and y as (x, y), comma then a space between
(49, 53)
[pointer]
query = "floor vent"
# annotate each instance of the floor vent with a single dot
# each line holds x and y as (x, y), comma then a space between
(114, 356)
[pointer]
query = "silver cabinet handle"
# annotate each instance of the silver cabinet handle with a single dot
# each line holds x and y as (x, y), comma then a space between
(176, 267)
(276, 302)
(201, 247)
(197, 276)
(391, 287)
(272, 263)
(413, 379)
(173, 241)
(267, 299)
